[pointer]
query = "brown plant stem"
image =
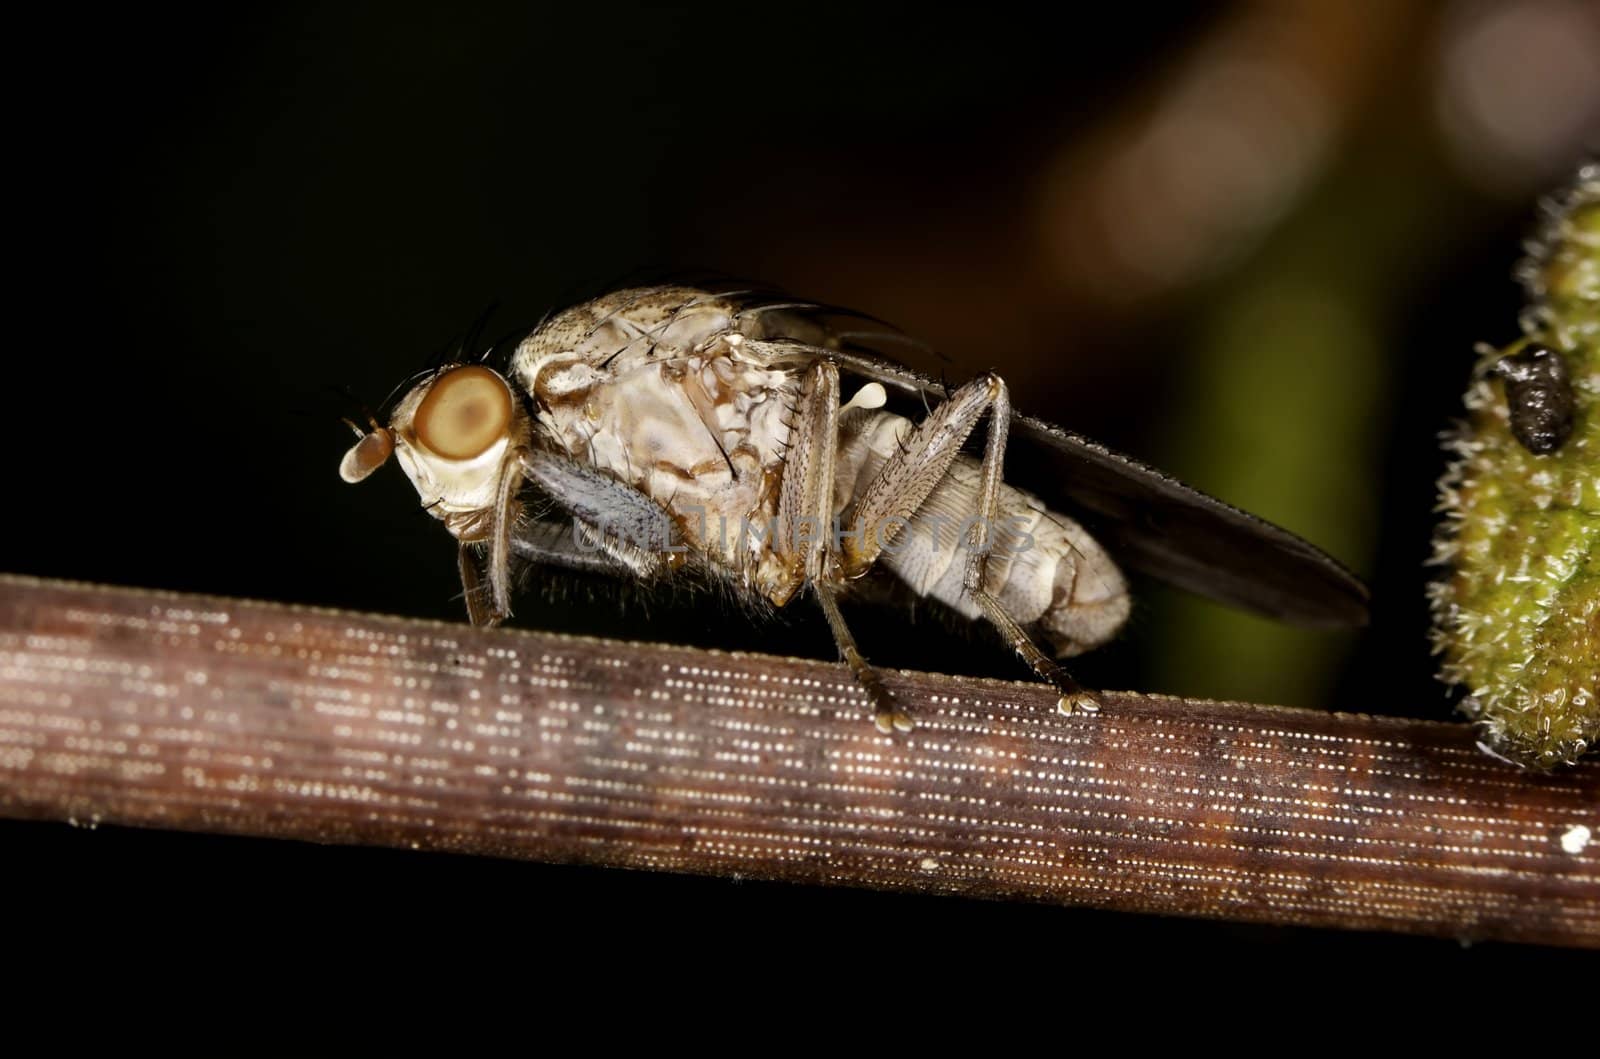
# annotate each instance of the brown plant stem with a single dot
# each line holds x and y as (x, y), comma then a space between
(218, 715)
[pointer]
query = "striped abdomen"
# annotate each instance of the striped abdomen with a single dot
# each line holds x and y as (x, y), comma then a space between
(1045, 569)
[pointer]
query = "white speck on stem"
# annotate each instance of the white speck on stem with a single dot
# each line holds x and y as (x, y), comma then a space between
(1575, 838)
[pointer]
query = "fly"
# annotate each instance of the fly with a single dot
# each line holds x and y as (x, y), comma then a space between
(681, 427)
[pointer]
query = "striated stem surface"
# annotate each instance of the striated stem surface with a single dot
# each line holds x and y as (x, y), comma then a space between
(196, 713)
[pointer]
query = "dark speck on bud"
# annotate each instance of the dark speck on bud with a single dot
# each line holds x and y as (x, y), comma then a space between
(1539, 397)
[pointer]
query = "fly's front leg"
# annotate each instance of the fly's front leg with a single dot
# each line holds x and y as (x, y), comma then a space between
(490, 604)
(507, 511)
(565, 545)
(620, 521)
(803, 535)
(479, 611)
(906, 479)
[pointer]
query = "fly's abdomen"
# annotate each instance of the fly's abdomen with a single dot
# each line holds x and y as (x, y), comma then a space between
(1043, 567)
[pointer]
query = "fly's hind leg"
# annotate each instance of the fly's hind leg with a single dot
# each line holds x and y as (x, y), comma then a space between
(904, 483)
(1074, 697)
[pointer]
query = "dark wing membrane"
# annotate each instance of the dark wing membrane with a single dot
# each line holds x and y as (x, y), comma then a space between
(1154, 523)
(770, 315)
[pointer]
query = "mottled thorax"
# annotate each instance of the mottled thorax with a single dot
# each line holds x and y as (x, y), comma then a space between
(681, 414)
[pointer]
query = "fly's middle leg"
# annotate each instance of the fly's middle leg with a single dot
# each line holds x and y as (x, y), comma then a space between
(886, 715)
(804, 524)
(903, 484)
(805, 505)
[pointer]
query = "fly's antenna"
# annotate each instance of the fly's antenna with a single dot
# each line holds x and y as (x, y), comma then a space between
(374, 441)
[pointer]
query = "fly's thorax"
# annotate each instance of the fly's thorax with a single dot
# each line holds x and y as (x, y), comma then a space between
(455, 435)
(700, 431)
(659, 322)
(656, 385)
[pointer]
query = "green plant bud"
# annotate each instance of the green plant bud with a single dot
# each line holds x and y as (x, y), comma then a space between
(1517, 617)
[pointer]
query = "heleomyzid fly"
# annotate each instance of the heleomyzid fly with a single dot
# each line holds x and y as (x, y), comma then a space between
(683, 428)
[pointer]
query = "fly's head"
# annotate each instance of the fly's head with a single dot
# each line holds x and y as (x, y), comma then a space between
(456, 434)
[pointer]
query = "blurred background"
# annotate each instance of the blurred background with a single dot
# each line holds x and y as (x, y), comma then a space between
(1252, 244)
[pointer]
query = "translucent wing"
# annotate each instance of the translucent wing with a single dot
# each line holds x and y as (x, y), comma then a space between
(1150, 520)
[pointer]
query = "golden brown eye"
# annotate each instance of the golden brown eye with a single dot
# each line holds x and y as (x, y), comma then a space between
(466, 411)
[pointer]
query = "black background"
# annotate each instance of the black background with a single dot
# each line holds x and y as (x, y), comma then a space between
(228, 213)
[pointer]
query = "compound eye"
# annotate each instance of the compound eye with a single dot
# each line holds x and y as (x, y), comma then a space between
(466, 411)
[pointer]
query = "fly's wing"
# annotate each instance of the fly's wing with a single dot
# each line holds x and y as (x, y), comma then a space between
(1150, 520)
(1155, 523)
